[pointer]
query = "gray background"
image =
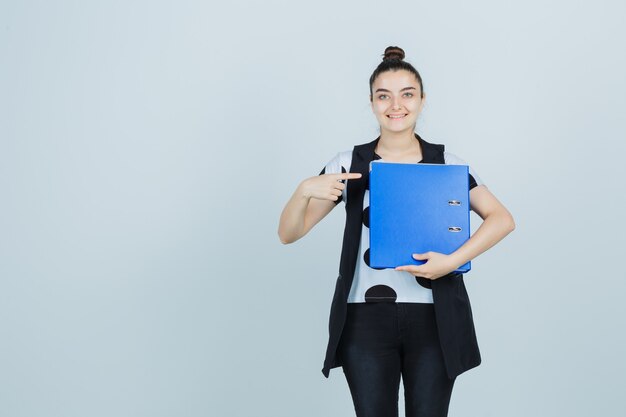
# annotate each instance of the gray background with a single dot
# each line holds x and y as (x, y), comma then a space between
(148, 148)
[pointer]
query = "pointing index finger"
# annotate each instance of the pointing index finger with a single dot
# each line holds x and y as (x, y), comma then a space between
(348, 176)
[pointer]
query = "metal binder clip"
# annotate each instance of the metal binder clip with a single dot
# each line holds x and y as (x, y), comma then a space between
(454, 229)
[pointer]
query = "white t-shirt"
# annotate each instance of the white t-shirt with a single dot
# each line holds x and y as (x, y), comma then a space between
(370, 284)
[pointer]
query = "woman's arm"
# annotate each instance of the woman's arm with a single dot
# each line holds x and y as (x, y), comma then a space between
(497, 223)
(313, 199)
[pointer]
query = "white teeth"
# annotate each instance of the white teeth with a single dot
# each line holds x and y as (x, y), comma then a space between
(396, 117)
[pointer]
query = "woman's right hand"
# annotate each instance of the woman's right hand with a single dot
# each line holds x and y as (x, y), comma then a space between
(327, 186)
(309, 204)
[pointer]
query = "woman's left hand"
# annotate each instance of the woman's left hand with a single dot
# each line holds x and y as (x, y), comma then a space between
(437, 265)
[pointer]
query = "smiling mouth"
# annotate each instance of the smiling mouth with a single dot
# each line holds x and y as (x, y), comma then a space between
(395, 117)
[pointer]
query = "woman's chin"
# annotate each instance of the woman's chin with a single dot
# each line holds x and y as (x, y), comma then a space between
(396, 128)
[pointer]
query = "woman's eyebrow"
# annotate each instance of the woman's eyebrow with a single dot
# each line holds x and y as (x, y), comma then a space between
(387, 91)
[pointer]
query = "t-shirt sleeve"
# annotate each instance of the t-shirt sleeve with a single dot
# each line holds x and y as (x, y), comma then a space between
(474, 179)
(334, 167)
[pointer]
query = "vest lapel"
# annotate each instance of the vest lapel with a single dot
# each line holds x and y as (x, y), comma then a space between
(361, 157)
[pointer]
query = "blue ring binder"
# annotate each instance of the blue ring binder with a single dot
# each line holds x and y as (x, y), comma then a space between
(416, 208)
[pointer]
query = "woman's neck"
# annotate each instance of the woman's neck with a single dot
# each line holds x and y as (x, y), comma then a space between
(398, 144)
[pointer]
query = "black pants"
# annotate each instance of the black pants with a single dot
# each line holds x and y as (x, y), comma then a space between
(383, 341)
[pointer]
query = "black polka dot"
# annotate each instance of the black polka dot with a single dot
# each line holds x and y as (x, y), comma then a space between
(366, 258)
(424, 282)
(366, 217)
(380, 293)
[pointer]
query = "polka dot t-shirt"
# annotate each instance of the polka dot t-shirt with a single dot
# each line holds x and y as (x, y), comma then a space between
(373, 284)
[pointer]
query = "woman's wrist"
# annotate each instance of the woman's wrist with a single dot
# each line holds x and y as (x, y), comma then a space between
(455, 261)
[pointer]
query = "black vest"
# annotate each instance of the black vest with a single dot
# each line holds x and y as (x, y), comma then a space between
(453, 312)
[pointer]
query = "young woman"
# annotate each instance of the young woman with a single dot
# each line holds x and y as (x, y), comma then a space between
(413, 322)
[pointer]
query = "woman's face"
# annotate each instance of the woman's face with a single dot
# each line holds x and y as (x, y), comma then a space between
(396, 101)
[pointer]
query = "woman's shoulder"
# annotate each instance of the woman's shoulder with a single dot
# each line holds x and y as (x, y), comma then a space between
(339, 163)
(453, 159)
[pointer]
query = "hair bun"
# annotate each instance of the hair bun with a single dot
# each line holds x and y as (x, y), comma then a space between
(393, 52)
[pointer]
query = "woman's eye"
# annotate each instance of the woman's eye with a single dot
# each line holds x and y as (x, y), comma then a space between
(410, 94)
(381, 96)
